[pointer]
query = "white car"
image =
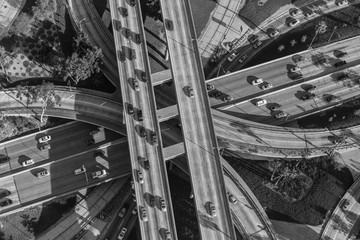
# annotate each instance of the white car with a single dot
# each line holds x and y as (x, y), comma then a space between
(257, 81)
(260, 102)
(44, 139)
(144, 215)
(294, 22)
(122, 233)
(28, 162)
(280, 115)
(295, 69)
(99, 174)
(163, 204)
(342, 3)
(136, 85)
(43, 173)
(80, 170)
(295, 12)
(232, 57)
(232, 199)
(274, 33)
(310, 14)
(140, 177)
(122, 212)
(212, 209)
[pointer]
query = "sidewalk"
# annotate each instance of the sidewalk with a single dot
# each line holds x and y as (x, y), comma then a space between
(224, 25)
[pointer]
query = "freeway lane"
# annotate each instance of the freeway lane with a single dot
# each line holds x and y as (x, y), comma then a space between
(199, 136)
(238, 85)
(142, 127)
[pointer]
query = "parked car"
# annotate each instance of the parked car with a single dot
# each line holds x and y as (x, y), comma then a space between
(242, 58)
(298, 76)
(169, 25)
(295, 12)
(5, 202)
(136, 85)
(344, 204)
(232, 57)
(140, 177)
(45, 147)
(152, 201)
(139, 115)
(232, 199)
(143, 214)
(227, 98)
(132, 3)
(321, 61)
(4, 193)
(144, 77)
(154, 139)
(191, 92)
(342, 76)
(294, 22)
(253, 38)
(257, 81)
(260, 102)
(89, 142)
(266, 86)
(122, 212)
(280, 114)
(98, 153)
(257, 44)
(295, 69)
(99, 174)
(122, 234)
(127, 33)
(341, 63)
(275, 107)
(125, 12)
(330, 98)
(307, 96)
(310, 14)
(310, 88)
(132, 55)
(130, 109)
(134, 211)
(4, 158)
(80, 170)
(212, 209)
(44, 139)
(138, 39)
(28, 162)
(143, 133)
(95, 131)
(342, 3)
(215, 94)
(341, 54)
(167, 235)
(43, 173)
(162, 204)
(209, 87)
(274, 33)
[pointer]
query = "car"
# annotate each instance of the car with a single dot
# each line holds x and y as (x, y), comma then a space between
(297, 76)
(257, 44)
(98, 153)
(28, 162)
(280, 114)
(132, 3)
(310, 14)
(295, 69)
(338, 139)
(227, 98)
(253, 38)
(89, 142)
(321, 61)
(138, 38)
(154, 139)
(134, 211)
(274, 33)
(132, 55)
(143, 214)
(122, 234)
(169, 25)
(167, 235)
(143, 133)
(43, 173)
(260, 102)
(295, 12)
(4, 158)
(294, 22)
(140, 177)
(342, 76)
(125, 12)
(297, 58)
(209, 87)
(99, 174)
(215, 94)
(127, 33)
(44, 139)
(4, 193)
(45, 147)
(191, 92)
(344, 204)
(330, 98)
(144, 77)
(232, 199)
(122, 212)
(80, 170)
(342, 3)
(266, 86)
(257, 81)
(341, 63)
(136, 85)
(130, 109)
(152, 201)
(341, 54)
(212, 209)
(275, 107)
(242, 58)
(122, 56)
(310, 88)
(162, 204)
(307, 96)
(232, 57)
(5, 202)
(94, 131)
(139, 115)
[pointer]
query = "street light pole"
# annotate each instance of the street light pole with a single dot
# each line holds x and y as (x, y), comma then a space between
(86, 177)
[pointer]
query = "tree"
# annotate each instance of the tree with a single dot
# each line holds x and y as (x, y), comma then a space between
(321, 27)
(43, 93)
(21, 25)
(44, 8)
(153, 9)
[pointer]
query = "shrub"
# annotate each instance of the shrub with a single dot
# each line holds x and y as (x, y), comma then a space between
(23, 74)
(26, 63)
(11, 62)
(32, 65)
(16, 74)
(14, 68)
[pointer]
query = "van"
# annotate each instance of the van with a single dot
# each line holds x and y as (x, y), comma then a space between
(43, 173)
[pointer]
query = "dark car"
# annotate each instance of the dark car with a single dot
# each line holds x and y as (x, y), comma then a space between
(45, 147)
(132, 3)
(253, 38)
(310, 88)
(154, 139)
(307, 96)
(152, 201)
(169, 24)
(330, 98)
(5, 202)
(125, 12)
(139, 115)
(138, 38)
(342, 76)
(341, 54)
(130, 109)
(341, 63)
(215, 94)
(297, 76)
(132, 55)
(4, 193)
(89, 142)
(4, 159)
(144, 76)
(321, 61)
(128, 33)
(145, 162)
(143, 132)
